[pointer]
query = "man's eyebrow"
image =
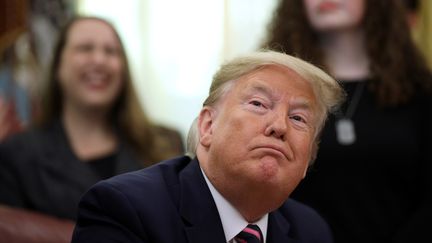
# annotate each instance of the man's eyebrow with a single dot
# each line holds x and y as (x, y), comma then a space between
(297, 103)
(302, 103)
(260, 89)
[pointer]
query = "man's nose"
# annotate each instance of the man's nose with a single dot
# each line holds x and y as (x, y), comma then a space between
(277, 126)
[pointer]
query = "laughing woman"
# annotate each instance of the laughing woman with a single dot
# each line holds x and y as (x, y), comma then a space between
(92, 126)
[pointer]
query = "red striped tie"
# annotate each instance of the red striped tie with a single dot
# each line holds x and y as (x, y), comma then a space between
(250, 234)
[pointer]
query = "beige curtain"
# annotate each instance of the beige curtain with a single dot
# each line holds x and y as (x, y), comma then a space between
(423, 30)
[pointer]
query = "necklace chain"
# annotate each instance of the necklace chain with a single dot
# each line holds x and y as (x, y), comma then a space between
(345, 129)
(352, 106)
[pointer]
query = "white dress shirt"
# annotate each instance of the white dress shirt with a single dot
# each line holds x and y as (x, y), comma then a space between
(232, 221)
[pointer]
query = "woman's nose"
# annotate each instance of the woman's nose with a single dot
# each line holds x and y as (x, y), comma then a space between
(98, 56)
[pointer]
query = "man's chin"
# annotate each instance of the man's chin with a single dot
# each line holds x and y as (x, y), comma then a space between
(268, 168)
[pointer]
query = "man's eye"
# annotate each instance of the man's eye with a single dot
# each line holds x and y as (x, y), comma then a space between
(298, 118)
(256, 103)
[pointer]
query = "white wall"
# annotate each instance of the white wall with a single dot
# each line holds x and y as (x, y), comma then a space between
(174, 47)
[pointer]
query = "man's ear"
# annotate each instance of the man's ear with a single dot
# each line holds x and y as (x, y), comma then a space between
(305, 172)
(314, 152)
(205, 125)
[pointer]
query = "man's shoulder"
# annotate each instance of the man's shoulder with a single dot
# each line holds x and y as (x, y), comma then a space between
(298, 212)
(149, 181)
(305, 220)
(150, 193)
(143, 202)
(295, 208)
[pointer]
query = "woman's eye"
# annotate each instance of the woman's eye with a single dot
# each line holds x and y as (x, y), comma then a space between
(112, 51)
(84, 47)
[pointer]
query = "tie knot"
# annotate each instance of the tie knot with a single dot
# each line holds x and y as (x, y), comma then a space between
(250, 234)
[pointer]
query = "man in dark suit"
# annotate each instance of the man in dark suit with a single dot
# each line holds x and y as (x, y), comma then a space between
(251, 145)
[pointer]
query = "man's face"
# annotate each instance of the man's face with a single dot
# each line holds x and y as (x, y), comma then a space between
(261, 132)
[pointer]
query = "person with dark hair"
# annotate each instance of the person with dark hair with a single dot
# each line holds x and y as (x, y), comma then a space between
(91, 126)
(249, 148)
(412, 9)
(371, 181)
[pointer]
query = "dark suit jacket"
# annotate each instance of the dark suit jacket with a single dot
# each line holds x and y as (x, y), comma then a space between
(39, 171)
(170, 202)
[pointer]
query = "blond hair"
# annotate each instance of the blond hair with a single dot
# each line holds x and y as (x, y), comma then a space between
(328, 92)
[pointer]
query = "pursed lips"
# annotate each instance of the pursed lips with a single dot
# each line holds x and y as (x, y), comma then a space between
(275, 149)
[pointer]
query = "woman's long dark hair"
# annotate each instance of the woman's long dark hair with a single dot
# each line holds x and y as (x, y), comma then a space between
(127, 115)
(398, 68)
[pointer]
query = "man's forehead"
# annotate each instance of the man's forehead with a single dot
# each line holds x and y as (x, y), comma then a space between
(270, 69)
(259, 79)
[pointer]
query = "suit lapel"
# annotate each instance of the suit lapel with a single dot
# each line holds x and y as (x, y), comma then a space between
(278, 229)
(197, 207)
(201, 217)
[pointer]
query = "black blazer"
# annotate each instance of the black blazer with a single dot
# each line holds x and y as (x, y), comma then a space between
(39, 171)
(170, 202)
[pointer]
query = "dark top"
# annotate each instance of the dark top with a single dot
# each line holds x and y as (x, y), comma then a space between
(39, 171)
(170, 202)
(104, 166)
(377, 189)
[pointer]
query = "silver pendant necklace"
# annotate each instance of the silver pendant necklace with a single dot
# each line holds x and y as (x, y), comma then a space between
(345, 129)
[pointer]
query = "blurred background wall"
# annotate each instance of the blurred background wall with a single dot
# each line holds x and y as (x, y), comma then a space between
(174, 46)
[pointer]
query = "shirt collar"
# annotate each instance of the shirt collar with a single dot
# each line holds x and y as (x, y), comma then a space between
(232, 221)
